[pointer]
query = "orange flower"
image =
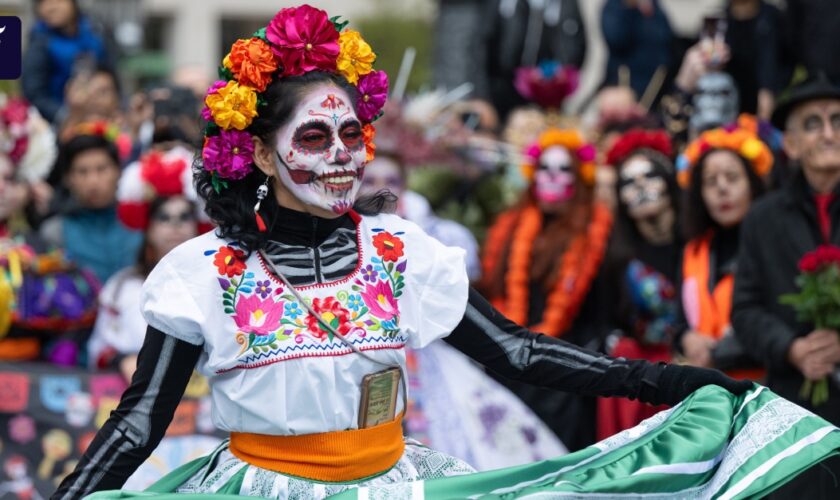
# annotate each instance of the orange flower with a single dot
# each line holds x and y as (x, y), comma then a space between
(368, 135)
(251, 62)
(740, 141)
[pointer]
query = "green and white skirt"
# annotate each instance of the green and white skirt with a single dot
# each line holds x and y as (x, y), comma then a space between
(712, 445)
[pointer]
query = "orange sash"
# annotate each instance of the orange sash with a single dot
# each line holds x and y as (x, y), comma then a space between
(19, 349)
(338, 456)
(713, 315)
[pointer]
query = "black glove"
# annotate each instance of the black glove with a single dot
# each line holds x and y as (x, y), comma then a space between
(678, 381)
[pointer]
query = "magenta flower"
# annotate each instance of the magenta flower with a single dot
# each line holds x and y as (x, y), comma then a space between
(229, 154)
(548, 84)
(380, 300)
(260, 317)
(586, 153)
(373, 92)
(303, 39)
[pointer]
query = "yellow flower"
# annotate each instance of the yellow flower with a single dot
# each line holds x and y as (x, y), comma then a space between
(233, 106)
(355, 57)
(752, 148)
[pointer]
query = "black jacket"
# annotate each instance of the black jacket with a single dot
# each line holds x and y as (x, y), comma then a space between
(777, 232)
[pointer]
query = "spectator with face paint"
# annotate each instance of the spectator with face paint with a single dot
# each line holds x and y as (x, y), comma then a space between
(555, 235)
(723, 172)
(155, 196)
(645, 251)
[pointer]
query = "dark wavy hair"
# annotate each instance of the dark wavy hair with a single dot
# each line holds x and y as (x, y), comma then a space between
(697, 219)
(232, 208)
(70, 150)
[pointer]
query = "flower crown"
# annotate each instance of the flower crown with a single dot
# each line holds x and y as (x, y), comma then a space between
(547, 84)
(741, 141)
(99, 128)
(298, 40)
(638, 139)
(156, 174)
(569, 139)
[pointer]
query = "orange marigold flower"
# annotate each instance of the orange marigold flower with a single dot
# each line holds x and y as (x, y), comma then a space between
(252, 63)
(368, 135)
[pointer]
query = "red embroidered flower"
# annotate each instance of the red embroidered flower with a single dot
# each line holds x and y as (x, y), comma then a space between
(333, 313)
(303, 39)
(230, 261)
(388, 246)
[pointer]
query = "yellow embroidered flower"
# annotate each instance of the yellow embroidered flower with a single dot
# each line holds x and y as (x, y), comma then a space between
(233, 106)
(355, 57)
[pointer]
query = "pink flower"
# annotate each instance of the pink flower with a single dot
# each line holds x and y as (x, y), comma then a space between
(373, 92)
(586, 153)
(256, 316)
(304, 39)
(229, 154)
(547, 85)
(380, 300)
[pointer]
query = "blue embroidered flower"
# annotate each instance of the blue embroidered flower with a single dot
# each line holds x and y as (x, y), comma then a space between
(263, 288)
(354, 302)
(292, 310)
(369, 273)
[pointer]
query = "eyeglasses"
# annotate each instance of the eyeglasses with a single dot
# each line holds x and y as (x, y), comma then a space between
(181, 218)
(816, 123)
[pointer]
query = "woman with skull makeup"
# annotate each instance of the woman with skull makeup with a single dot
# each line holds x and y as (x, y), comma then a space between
(557, 235)
(645, 248)
(155, 196)
(723, 172)
(294, 305)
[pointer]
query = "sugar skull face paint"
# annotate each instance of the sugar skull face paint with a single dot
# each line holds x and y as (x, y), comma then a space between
(554, 181)
(321, 150)
(642, 189)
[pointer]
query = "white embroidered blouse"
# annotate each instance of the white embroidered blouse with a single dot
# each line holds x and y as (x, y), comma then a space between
(272, 368)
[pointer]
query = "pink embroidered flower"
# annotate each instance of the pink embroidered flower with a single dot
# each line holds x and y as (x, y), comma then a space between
(304, 39)
(258, 316)
(373, 92)
(229, 154)
(380, 300)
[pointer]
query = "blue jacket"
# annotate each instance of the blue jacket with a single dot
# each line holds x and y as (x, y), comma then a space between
(49, 61)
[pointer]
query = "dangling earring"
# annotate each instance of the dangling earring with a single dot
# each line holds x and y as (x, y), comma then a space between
(262, 192)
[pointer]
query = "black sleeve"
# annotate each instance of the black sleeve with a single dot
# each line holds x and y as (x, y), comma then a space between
(164, 366)
(512, 351)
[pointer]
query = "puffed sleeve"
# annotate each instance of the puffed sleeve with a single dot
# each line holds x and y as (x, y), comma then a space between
(439, 294)
(169, 306)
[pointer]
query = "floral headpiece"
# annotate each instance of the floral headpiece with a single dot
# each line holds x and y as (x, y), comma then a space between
(741, 141)
(298, 40)
(569, 139)
(156, 174)
(26, 139)
(639, 139)
(548, 84)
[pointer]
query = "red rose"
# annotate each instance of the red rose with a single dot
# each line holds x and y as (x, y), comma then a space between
(809, 263)
(230, 261)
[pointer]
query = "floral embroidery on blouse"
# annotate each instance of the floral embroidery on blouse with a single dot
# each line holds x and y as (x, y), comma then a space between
(271, 325)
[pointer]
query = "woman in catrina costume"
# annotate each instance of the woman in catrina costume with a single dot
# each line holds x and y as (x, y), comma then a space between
(542, 268)
(299, 306)
(646, 248)
(723, 172)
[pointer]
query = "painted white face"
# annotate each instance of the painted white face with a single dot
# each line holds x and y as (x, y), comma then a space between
(322, 152)
(554, 181)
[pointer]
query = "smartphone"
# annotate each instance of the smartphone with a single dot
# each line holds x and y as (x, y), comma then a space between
(378, 403)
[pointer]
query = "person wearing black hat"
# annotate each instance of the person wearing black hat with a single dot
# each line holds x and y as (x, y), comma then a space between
(777, 232)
